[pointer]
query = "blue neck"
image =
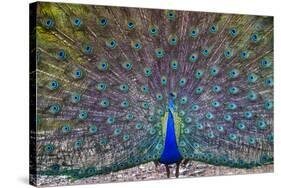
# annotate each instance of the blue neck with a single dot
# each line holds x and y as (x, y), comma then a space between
(170, 153)
(171, 105)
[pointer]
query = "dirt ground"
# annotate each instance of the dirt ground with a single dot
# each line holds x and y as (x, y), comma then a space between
(150, 172)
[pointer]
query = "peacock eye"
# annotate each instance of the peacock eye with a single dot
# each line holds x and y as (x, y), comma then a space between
(234, 73)
(55, 108)
(129, 116)
(265, 63)
(233, 32)
(270, 138)
(49, 23)
(136, 45)
(220, 128)
(188, 120)
(211, 135)
(174, 65)
(172, 40)
(103, 22)
(261, 124)
(159, 96)
(227, 117)
(268, 82)
(77, 74)
(77, 144)
(251, 140)
(55, 167)
(93, 129)
(153, 31)
(199, 90)
(193, 58)
(194, 32)
(233, 136)
(244, 54)
(147, 71)
(171, 15)
(268, 105)
(61, 54)
(126, 137)
(53, 85)
(112, 43)
(233, 90)
(131, 25)
(83, 115)
(124, 88)
(77, 22)
(159, 53)
(49, 148)
(213, 29)
(182, 82)
(88, 50)
(104, 103)
(209, 115)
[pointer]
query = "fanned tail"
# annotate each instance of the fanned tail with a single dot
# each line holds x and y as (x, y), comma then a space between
(105, 76)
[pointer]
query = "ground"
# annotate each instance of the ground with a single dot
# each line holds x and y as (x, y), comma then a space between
(150, 172)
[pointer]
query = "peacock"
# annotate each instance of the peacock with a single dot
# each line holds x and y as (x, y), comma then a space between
(118, 87)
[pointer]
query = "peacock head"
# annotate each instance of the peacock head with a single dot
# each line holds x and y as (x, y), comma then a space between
(171, 102)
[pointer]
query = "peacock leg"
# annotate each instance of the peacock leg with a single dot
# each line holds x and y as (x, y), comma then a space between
(178, 169)
(167, 170)
(156, 163)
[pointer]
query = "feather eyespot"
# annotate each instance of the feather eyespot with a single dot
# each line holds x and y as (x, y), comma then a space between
(103, 22)
(77, 22)
(53, 85)
(55, 108)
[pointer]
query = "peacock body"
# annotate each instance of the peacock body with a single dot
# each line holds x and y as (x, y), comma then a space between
(119, 87)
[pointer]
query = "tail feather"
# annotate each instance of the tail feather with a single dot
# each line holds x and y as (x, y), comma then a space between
(105, 76)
